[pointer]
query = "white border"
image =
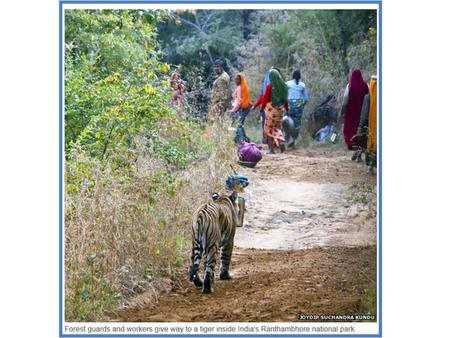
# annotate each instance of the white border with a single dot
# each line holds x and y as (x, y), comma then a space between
(348, 328)
(221, 6)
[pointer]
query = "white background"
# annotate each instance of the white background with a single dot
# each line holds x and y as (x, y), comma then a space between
(416, 144)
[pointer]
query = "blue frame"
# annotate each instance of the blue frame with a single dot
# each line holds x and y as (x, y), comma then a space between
(61, 157)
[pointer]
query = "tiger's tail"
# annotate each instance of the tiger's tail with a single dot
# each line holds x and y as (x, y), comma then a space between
(196, 252)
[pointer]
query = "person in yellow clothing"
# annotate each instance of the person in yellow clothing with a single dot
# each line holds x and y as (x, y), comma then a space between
(368, 123)
(372, 137)
(220, 94)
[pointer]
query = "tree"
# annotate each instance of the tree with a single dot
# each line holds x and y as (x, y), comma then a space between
(246, 23)
(197, 38)
(117, 87)
(326, 44)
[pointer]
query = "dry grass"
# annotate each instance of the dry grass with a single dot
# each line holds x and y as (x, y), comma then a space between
(127, 229)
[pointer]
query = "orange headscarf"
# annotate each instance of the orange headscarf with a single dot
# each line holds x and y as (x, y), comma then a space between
(244, 90)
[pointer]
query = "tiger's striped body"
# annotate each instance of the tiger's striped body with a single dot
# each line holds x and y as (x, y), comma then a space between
(213, 227)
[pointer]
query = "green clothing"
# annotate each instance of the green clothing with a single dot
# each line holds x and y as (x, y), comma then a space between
(279, 88)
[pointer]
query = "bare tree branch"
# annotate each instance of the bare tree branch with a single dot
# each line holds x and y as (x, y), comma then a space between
(201, 32)
(195, 25)
(208, 17)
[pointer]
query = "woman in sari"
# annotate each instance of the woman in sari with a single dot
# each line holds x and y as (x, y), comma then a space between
(258, 102)
(241, 100)
(368, 125)
(178, 89)
(241, 107)
(368, 121)
(274, 103)
(351, 110)
(372, 134)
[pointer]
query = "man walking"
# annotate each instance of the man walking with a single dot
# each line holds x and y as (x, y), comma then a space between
(220, 94)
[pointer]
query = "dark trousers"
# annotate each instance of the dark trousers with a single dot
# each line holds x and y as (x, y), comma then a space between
(296, 112)
(238, 119)
(240, 116)
(263, 117)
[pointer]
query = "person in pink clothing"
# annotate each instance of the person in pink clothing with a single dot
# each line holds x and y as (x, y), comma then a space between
(178, 89)
(241, 105)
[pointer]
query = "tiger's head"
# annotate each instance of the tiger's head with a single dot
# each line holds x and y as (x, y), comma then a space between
(215, 196)
(230, 202)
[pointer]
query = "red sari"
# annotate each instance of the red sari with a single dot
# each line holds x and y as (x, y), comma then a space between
(273, 117)
(357, 90)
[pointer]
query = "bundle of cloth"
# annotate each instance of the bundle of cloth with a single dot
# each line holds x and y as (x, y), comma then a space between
(249, 152)
(324, 114)
(326, 133)
(237, 182)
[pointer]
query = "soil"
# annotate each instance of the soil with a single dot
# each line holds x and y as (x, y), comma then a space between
(303, 250)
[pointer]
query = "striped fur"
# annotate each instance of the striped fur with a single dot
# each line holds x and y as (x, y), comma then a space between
(213, 228)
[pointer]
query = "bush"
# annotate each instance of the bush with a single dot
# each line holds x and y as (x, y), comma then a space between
(127, 227)
(135, 170)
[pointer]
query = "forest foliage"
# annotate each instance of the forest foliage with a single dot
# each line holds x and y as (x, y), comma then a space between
(326, 45)
(134, 168)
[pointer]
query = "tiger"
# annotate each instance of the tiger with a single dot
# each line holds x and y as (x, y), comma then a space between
(213, 227)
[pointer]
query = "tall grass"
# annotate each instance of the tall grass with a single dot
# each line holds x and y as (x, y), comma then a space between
(128, 227)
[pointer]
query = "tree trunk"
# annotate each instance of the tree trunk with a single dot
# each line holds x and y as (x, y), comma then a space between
(246, 23)
(343, 41)
(208, 52)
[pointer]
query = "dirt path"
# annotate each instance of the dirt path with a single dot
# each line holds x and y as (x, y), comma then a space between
(304, 249)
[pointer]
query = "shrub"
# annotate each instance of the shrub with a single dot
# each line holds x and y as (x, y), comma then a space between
(127, 227)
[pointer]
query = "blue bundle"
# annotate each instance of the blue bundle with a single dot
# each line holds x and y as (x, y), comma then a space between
(237, 182)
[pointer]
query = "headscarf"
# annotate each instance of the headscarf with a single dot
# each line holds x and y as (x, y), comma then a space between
(219, 62)
(175, 79)
(357, 90)
(265, 82)
(244, 90)
(279, 88)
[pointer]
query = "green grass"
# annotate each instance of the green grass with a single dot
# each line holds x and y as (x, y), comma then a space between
(369, 301)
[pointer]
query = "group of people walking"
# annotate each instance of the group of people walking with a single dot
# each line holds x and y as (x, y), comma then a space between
(359, 111)
(277, 97)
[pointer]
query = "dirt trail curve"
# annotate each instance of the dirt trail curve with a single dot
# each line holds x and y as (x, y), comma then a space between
(303, 250)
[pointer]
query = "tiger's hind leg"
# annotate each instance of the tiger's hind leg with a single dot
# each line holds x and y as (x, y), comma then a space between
(210, 263)
(195, 263)
(225, 258)
(208, 282)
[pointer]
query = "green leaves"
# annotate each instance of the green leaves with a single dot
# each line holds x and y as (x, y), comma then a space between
(126, 146)
(116, 87)
(149, 89)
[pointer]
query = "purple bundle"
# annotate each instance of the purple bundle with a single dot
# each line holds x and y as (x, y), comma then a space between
(249, 152)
